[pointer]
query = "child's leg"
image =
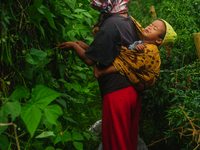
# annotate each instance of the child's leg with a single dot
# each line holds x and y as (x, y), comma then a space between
(100, 72)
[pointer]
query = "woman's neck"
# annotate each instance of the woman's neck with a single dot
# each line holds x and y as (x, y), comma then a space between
(124, 15)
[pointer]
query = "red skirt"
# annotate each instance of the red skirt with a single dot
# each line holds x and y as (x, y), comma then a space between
(120, 120)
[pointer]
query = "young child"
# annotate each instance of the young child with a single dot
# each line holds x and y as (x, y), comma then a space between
(141, 61)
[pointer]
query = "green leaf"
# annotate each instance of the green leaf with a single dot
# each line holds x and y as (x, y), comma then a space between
(79, 26)
(40, 98)
(50, 148)
(62, 102)
(40, 79)
(95, 138)
(87, 135)
(35, 56)
(34, 60)
(31, 116)
(43, 96)
(82, 75)
(79, 10)
(78, 145)
(30, 73)
(67, 13)
(40, 54)
(87, 14)
(3, 119)
(4, 143)
(62, 69)
(71, 34)
(24, 38)
(52, 112)
(78, 16)
(37, 24)
(77, 136)
(58, 139)
(45, 134)
(49, 18)
(38, 3)
(69, 119)
(19, 93)
(13, 108)
(67, 136)
(34, 13)
(71, 3)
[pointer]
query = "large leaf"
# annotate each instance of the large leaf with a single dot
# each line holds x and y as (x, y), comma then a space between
(71, 3)
(38, 3)
(49, 18)
(19, 93)
(45, 134)
(87, 14)
(40, 54)
(34, 13)
(32, 59)
(35, 56)
(30, 73)
(4, 143)
(3, 119)
(13, 108)
(78, 145)
(71, 34)
(43, 96)
(40, 98)
(77, 136)
(50, 148)
(52, 112)
(31, 116)
(67, 136)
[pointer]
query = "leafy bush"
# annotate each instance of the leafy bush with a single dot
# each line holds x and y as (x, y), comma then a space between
(178, 84)
(50, 95)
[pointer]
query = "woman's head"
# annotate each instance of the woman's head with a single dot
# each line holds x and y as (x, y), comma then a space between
(110, 6)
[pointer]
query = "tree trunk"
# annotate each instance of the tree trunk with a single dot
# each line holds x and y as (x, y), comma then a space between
(197, 42)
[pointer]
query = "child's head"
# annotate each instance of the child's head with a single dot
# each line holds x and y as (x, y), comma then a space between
(159, 32)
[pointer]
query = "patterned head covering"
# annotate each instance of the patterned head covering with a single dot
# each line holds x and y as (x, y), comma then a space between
(110, 6)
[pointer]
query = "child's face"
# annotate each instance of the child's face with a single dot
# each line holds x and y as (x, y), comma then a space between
(151, 32)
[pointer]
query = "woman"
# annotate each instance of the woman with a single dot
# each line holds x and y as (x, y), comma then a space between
(121, 103)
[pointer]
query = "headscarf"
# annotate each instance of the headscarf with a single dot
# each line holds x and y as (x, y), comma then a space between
(108, 7)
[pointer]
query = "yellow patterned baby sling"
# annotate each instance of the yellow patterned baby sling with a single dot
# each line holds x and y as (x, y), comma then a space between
(141, 68)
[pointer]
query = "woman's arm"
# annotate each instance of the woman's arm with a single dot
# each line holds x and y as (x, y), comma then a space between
(79, 50)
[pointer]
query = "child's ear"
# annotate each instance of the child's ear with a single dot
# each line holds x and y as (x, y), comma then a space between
(159, 41)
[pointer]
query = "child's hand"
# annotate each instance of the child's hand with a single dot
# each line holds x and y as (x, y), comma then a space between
(140, 47)
(82, 45)
(66, 45)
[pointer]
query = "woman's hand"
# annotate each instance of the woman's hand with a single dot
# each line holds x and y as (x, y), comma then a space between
(83, 45)
(66, 45)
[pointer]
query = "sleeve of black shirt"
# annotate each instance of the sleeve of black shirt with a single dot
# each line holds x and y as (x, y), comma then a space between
(103, 49)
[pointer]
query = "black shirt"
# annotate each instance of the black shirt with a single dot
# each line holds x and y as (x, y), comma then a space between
(113, 33)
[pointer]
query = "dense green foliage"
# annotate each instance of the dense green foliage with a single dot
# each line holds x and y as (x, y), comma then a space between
(178, 84)
(53, 98)
(49, 94)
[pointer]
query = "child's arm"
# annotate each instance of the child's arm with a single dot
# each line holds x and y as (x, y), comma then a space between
(100, 72)
(139, 47)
